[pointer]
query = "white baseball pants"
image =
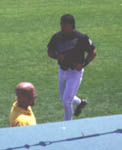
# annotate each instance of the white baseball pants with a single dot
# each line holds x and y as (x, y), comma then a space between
(69, 82)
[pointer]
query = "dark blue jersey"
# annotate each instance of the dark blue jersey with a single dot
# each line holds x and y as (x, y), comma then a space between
(73, 46)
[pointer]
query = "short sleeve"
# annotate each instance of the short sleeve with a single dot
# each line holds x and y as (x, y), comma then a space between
(88, 44)
(52, 42)
(52, 46)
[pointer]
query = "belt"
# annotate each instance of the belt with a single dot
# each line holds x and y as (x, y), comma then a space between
(67, 68)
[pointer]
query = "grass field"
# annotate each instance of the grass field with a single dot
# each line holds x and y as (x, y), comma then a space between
(25, 29)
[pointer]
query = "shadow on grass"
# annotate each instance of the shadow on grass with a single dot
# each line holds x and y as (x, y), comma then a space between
(46, 143)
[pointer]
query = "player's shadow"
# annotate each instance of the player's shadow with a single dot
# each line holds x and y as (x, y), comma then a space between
(45, 143)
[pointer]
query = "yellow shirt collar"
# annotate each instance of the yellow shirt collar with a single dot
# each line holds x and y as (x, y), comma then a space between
(17, 108)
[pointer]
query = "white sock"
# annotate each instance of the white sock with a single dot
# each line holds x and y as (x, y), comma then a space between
(76, 100)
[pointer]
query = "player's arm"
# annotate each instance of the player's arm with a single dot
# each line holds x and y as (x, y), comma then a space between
(51, 53)
(91, 53)
(87, 60)
(52, 48)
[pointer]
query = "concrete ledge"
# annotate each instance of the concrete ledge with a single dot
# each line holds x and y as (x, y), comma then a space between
(99, 133)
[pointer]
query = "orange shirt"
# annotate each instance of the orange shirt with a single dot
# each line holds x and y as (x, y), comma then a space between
(20, 116)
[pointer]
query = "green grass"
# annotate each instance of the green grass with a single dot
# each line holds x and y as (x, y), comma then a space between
(25, 29)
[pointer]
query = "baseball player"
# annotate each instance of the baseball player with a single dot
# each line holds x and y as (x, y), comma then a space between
(69, 47)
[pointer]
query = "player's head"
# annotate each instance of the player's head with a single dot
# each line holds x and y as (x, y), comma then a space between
(67, 23)
(26, 94)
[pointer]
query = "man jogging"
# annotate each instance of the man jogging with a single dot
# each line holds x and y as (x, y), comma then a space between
(69, 47)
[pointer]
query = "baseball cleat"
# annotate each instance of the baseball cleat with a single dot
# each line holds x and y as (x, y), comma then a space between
(80, 107)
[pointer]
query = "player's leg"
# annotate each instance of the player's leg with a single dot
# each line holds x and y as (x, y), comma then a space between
(72, 85)
(61, 83)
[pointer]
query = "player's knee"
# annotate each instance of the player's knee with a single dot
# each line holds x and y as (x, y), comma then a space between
(67, 99)
(67, 105)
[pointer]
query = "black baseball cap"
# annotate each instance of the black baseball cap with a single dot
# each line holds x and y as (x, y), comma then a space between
(68, 19)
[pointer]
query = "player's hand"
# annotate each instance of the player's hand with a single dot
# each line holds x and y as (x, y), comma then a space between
(79, 67)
